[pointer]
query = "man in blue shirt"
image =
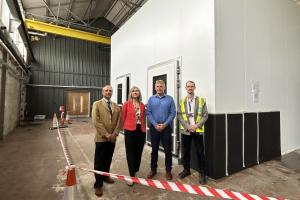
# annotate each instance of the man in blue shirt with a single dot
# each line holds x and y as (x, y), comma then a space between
(161, 112)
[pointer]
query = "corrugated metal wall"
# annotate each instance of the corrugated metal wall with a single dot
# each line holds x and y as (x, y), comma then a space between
(62, 62)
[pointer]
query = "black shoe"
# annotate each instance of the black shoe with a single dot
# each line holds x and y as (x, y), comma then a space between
(169, 176)
(202, 179)
(184, 173)
(151, 174)
(109, 180)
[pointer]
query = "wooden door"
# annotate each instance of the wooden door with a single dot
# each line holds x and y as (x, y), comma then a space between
(78, 103)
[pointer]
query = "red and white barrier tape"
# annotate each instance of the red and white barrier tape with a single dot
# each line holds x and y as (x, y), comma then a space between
(179, 187)
(65, 150)
(167, 185)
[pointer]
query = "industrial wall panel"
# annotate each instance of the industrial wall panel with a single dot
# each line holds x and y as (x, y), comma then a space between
(250, 139)
(215, 146)
(267, 126)
(59, 56)
(235, 141)
(269, 136)
(47, 100)
(64, 62)
(11, 101)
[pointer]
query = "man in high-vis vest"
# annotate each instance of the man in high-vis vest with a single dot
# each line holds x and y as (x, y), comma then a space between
(192, 114)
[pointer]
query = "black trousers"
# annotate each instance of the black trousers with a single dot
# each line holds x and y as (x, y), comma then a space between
(134, 144)
(165, 137)
(103, 156)
(186, 145)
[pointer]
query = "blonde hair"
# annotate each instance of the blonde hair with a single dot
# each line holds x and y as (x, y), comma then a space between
(131, 90)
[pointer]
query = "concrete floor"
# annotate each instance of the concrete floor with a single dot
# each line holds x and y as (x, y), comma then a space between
(32, 165)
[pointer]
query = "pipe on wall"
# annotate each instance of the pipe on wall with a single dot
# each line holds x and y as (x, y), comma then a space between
(66, 86)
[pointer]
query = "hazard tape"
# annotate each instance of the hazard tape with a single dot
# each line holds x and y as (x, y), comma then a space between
(185, 188)
(166, 185)
(64, 148)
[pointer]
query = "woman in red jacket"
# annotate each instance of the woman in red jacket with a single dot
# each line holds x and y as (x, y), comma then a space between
(133, 118)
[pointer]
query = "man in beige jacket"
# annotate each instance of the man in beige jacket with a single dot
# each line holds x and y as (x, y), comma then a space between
(106, 119)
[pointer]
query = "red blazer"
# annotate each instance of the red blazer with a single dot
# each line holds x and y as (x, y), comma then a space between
(128, 116)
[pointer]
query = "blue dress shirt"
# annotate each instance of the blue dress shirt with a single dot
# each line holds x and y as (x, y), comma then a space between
(161, 110)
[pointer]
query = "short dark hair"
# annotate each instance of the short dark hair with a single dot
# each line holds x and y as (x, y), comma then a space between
(190, 82)
(106, 86)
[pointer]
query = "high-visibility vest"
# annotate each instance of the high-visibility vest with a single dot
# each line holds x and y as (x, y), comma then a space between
(199, 113)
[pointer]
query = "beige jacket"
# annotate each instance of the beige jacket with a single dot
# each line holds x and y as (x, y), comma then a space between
(103, 121)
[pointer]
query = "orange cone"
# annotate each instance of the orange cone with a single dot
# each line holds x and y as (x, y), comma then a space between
(68, 118)
(62, 122)
(71, 178)
(70, 191)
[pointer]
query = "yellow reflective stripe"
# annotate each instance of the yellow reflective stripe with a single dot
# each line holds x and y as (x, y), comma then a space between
(199, 115)
(183, 110)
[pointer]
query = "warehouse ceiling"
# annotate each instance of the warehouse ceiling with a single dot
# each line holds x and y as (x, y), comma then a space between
(81, 14)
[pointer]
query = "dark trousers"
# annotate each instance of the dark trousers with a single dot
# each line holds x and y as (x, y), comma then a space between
(165, 137)
(186, 145)
(103, 156)
(134, 144)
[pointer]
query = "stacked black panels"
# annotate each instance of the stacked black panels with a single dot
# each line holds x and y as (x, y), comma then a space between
(265, 125)
(215, 146)
(269, 136)
(250, 139)
(235, 142)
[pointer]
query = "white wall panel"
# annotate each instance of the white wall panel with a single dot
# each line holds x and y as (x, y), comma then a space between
(291, 138)
(227, 47)
(164, 31)
(258, 42)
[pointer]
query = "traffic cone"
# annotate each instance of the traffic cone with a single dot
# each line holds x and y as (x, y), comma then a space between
(71, 178)
(68, 118)
(62, 118)
(54, 122)
(70, 192)
(62, 122)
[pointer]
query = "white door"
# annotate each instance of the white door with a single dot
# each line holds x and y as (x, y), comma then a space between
(122, 88)
(166, 71)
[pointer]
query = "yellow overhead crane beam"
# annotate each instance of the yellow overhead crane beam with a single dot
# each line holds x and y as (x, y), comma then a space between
(67, 32)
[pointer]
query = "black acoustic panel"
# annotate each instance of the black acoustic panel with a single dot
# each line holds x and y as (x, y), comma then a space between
(215, 146)
(269, 136)
(235, 142)
(250, 139)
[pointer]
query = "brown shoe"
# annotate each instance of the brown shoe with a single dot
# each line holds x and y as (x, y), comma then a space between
(151, 174)
(169, 176)
(109, 180)
(98, 191)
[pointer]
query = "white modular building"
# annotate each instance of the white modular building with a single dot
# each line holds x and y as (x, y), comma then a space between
(243, 56)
